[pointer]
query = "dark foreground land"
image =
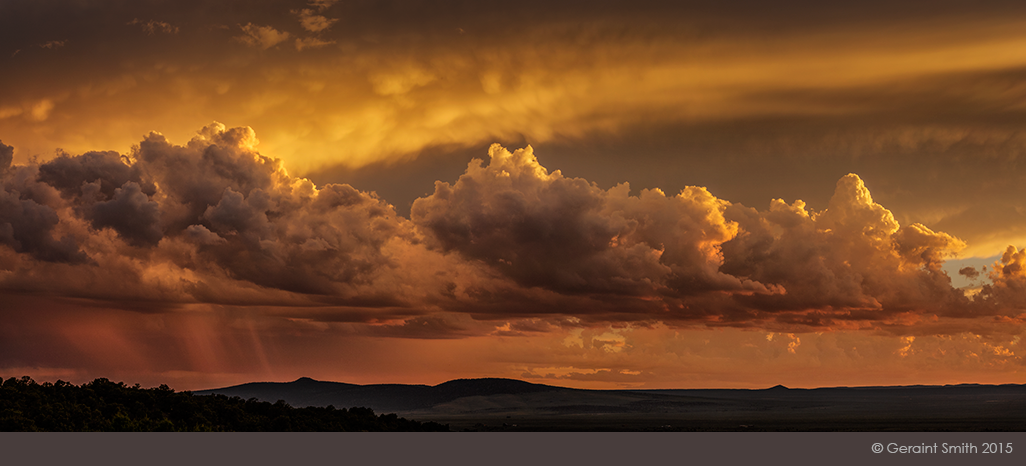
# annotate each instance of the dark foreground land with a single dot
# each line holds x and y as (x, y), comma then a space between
(102, 405)
(504, 405)
(511, 405)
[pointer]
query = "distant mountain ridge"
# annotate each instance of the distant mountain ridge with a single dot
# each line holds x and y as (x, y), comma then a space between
(379, 397)
(495, 398)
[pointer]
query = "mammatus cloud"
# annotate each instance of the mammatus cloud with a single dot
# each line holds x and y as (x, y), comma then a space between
(262, 37)
(214, 221)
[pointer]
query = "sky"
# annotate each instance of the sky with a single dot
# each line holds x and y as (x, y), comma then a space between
(599, 194)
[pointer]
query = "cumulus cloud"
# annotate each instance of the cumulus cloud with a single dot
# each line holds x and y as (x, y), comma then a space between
(1008, 277)
(189, 219)
(215, 221)
(568, 235)
(258, 223)
(29, 217)
(106, 171)
(851, 257)
(262, 37)
(131, 213)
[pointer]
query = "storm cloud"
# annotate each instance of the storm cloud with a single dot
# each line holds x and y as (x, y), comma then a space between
(568, 235)
(215, 221)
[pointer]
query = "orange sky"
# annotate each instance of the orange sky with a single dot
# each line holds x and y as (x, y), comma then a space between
(582, 194)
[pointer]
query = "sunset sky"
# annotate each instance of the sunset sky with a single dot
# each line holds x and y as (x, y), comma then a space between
(594, 194)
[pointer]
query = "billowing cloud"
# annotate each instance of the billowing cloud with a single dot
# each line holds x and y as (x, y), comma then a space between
(262, 37)
(106, 171)
(131, 213)
(691, 257)
(214, 221)
(852, 259)
(568, 235)
(212, 234)
(29, 218)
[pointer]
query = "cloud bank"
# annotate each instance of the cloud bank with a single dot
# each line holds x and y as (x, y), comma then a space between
(508, 248)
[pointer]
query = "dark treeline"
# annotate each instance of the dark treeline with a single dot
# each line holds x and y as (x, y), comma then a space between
(102, 405)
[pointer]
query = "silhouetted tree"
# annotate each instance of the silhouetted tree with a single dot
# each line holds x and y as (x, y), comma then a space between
(102, 405)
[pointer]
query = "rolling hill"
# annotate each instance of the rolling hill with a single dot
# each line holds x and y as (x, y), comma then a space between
(512, 404)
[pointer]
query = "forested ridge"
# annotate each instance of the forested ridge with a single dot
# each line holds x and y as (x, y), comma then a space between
(102, 405)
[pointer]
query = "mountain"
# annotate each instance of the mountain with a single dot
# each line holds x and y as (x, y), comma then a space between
(379, 397)
(473, 403)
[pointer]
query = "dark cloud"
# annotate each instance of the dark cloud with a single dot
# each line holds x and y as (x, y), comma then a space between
(509, 248)
(108, 170)
(28, 227)
(131, 213)
(235, 215)
(851, 256)
(108, 191)
(271, 229)
(201, 235)
(969, 272)
(6, 156)
(568, 235)
(195, 177)
(232, 219)
(28, 221)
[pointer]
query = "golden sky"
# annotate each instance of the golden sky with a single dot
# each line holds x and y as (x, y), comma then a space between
(592, 194)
